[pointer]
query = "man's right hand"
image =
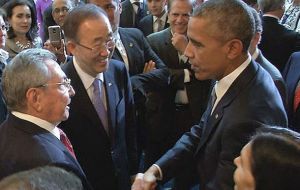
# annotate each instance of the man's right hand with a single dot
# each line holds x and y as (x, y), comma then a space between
(148, 182)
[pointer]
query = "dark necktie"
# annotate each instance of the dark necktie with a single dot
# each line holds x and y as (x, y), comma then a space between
(297, 97)
(64, 139)
(138, 14)
(98, 103)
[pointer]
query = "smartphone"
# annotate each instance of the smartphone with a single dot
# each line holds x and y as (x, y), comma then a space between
(55, 36)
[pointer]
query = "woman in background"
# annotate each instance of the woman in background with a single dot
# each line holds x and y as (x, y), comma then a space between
(270, 161)
(22, 33)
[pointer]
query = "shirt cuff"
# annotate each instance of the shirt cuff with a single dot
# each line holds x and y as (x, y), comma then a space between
(186, 76)
(160, 177)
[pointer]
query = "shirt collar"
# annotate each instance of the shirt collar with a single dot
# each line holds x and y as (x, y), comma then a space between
(163, 17)
(223, 85)
(39, 122)
(86, 79)
(255, 54)
(269, 15)
(133, 1)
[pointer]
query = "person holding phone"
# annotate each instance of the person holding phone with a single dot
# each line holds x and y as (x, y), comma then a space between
(60, 9)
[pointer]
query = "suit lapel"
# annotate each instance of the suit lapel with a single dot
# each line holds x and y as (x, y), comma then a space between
(129, 47)
(172, 52)
(110, 88)
(232, 93)
(82, 99)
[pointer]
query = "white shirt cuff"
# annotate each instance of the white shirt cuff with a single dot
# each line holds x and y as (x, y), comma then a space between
(160, 177)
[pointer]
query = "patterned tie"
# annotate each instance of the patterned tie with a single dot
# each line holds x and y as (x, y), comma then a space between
(159, 25)
(98, 103)
(297, 97)
(65, 140)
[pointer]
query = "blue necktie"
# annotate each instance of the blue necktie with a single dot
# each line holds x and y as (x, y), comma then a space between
(98, 103)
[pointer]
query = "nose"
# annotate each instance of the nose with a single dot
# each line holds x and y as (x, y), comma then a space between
(71, 91)
(236, 161)
(188, 51)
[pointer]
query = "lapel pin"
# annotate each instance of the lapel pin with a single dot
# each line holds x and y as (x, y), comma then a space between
(216, 116)
(109, 84)
(130, 44)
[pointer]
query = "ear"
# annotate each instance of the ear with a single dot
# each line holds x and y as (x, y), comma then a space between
(33, 97)
(71, 47)
(234, 48)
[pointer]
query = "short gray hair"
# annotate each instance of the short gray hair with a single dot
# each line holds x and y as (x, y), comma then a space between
(26, 70)
(229, 19)
(270, 5)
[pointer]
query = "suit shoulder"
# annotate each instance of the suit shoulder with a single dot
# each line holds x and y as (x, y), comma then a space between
(116, 65)
(130, 31)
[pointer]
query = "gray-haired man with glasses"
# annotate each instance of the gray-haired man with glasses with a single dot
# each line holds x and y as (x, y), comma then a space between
(101, 126)
(37, 93)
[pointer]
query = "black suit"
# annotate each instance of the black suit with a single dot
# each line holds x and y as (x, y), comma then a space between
(146, 25)
(277, 42)
(219, 137)
(127, 14)
(166, 121)
(108, 161)
(276, 76)
(24, 145)
(291, 75)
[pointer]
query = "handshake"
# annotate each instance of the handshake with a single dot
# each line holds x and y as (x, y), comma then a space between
(146, 181)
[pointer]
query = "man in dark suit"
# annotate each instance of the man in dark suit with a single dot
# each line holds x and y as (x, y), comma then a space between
(132, 12)
(291, 76)
(157, 20)
(182, 105)
(260, 59)
(244, 91)
(277, 42)
(38, 100)
(101, 125)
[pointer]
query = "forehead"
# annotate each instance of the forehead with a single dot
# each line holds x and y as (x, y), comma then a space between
(183, 6)
(60, 3)
(94, 29)
(21, 8)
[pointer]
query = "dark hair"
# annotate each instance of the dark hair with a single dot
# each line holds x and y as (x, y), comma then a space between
(229, 19)
(77, 16)
(257, 20)
(32, 33)
(276, 159)
(270, 5)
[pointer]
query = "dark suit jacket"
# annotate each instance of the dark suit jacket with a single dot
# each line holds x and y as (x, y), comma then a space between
(277, 42)
(24, 145)
(126, 17)
(197, 91)
(276, 76)
(108, 161)
(291, 75)
(146, 24)
(219, 137)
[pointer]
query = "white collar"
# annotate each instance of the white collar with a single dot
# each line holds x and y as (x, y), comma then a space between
(39, 122)
(86, 79)
(163, 17)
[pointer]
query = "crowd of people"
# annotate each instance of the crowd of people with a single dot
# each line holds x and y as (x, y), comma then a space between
(150, 94)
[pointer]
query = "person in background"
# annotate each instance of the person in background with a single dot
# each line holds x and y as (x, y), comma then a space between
(3, 61)
(291, 15)
(42, 178)
(37, 93)
(22, 33)
(157, 20)
(270, 161)
(60, 9)
(40, 7)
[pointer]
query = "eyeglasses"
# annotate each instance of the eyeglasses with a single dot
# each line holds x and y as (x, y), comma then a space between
(109, 45)
(4, 27)
(66, 83)
(63, 10)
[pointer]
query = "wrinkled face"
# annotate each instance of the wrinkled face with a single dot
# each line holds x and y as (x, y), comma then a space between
(243, 177)
(55, 98)
(92, 34)
(112, 9)
(156, 7)
(207, 54)
(60, 9)
(179, 15)
(20, 20)
(2, 32)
